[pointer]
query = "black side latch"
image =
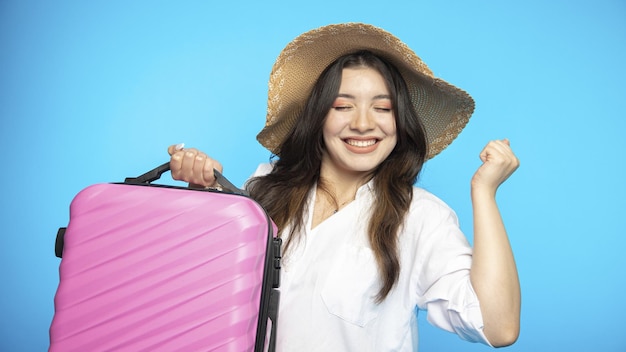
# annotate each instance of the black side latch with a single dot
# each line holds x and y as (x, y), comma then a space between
(277, 244)
(60, 241)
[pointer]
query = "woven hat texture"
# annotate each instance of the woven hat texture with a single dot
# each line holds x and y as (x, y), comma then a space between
(443, 108)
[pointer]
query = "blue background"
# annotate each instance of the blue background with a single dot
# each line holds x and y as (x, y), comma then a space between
(94, 91)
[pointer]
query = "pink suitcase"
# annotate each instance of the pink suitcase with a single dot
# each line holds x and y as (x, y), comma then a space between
(150, 267)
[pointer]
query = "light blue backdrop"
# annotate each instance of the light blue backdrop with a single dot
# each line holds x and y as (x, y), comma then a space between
(94, 91)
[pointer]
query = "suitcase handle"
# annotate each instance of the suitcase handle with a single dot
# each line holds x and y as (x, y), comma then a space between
(156, 173)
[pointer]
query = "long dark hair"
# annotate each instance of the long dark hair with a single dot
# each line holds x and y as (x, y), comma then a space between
(283, 192)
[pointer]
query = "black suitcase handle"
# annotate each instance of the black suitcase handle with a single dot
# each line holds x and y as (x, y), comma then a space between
(156, 173)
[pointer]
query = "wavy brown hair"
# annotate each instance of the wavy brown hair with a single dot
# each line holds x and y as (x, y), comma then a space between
(283, 192)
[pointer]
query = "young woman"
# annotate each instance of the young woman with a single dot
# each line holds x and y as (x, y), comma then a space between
(353, 114)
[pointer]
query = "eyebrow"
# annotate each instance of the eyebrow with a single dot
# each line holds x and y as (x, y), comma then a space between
(377, 97)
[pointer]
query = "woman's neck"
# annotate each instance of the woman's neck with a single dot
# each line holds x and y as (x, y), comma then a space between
(341, 186)
(333, 194)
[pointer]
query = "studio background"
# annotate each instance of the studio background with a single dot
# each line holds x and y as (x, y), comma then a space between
(95, 91)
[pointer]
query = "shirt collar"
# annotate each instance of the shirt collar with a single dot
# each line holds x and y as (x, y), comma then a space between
(367, 188)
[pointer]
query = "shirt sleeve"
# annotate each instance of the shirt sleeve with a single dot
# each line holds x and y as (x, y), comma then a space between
(263, 169)
(441, 271)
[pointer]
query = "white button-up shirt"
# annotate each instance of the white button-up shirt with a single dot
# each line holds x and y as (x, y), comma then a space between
(330, 278)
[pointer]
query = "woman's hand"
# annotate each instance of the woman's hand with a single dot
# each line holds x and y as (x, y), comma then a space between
(499, 163)
(494, 273)
(192, 166)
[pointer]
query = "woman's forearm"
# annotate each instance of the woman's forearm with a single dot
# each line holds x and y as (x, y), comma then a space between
(494, 273)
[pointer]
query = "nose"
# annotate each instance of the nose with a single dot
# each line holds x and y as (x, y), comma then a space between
(362, 121)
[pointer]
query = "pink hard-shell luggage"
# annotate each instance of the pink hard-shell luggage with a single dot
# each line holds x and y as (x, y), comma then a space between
(149, 267)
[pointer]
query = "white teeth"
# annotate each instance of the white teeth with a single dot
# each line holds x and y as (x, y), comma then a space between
(359, 143)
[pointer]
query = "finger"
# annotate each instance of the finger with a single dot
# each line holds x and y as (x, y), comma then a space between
(499, 145)
(176, 156)
(487, 152)
(504, 147)
(496, 149)
(208, 171)
(176, 163)
(201, 162)
(187, 165)
(174, 148)
(500, 153)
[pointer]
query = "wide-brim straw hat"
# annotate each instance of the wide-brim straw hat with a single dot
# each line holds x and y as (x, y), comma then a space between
(443, 108)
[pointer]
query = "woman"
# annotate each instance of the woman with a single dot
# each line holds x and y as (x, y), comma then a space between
(353, 114)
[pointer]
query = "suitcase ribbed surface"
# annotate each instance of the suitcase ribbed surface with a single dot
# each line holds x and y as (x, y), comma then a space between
(159, 269)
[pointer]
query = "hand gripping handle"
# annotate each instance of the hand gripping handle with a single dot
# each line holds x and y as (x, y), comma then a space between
(156, 173)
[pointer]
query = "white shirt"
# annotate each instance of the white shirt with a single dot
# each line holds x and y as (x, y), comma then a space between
(330, 278)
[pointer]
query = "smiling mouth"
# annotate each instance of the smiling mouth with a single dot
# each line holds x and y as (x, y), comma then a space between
(361, 143)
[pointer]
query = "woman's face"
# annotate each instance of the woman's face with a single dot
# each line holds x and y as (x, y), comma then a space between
(360, 128)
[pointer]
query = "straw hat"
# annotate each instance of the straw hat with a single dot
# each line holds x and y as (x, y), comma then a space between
(443, 108)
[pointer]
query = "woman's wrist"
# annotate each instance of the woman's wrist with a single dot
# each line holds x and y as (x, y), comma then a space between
(483, 192)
